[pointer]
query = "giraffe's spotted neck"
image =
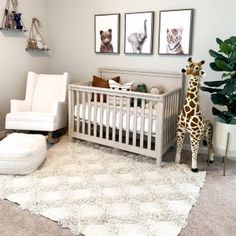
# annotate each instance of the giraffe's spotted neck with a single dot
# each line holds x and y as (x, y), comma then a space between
(193, 88)
(191, 106)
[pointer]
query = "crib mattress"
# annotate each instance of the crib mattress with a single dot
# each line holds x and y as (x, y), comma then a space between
(95, 115)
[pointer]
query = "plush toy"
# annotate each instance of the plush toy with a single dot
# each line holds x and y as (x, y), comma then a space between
(154, 90)
(9, 20)
(190, 119)
(141, 88)
(17, 19)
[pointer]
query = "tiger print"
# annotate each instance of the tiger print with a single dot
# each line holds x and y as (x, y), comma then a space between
(174, 37)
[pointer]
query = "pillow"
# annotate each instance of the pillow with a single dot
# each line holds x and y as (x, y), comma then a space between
(124, 87)
(102, 83)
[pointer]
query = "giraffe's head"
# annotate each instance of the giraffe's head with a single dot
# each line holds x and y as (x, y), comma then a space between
(194, 68)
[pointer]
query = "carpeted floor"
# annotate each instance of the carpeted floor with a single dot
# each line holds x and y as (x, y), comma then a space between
(214, 214)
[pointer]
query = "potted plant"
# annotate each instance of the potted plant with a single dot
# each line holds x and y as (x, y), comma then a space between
(223, 94)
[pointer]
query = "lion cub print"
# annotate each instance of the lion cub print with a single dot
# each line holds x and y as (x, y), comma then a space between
(174, 37)
(106, 37)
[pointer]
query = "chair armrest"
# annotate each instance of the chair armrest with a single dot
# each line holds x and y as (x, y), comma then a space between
(20, 105)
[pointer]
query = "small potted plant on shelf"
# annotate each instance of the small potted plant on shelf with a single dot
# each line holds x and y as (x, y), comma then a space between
(223, 95)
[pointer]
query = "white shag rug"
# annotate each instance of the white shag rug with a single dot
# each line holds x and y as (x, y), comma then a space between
(100, 191)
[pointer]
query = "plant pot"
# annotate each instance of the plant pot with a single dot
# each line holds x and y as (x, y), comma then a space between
(220, 138)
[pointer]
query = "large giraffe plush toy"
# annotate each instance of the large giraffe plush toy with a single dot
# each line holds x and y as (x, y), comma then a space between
(190, 118)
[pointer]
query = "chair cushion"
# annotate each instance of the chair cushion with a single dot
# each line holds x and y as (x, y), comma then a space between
(22, 153)
(32, 121)
(31, 116)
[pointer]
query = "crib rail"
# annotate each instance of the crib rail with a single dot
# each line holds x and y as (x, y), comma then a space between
(137, 122)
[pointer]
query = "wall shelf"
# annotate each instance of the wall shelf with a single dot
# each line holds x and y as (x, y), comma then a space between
(15, 30)
(12, 20)
(37, 49)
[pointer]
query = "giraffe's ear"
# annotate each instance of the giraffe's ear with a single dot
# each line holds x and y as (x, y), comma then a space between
(190, 59)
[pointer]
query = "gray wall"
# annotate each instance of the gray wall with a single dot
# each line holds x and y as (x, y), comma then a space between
(15, 62)
(72, 36)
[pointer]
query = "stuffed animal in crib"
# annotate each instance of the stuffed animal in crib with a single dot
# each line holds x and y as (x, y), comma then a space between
(154, 90)
(190, 119)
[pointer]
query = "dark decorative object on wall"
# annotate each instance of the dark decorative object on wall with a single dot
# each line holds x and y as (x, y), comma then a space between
(175, 32)
(36, 40)
(107, 33)
(139, 32)
(12, 18)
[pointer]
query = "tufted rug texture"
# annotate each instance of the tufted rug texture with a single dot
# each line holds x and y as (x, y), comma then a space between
(100, 191)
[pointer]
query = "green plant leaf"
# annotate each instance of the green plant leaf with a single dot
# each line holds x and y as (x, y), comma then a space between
(219, 41)
(217, 55)
(219, 99)
(226, 116)
(214, 66)
(226, 48)
(223, 65)
(210, 90)
(233, 40)
(233, 97)
(232, 57)
(225, 75)
(216, 83)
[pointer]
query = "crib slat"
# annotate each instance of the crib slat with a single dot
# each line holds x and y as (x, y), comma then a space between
(135, 122)
(142, 122)
(107, 117)
(83, 112)
(121, 119)
(150, 117)
(71, 107)
(101, 115)
(165, 122)
(95, 115)
(78, 111)
(127, 121)
(89, 113)
(114, 119)
(159, 131)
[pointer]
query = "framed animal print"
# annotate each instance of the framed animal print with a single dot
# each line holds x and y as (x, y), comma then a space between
(107, 33)
(139, 33)
(175, 32)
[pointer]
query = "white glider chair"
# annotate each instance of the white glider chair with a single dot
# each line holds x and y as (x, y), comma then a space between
(44, 107)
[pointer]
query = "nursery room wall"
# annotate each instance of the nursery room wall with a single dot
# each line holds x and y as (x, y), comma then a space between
(72, 36)
(15, 62)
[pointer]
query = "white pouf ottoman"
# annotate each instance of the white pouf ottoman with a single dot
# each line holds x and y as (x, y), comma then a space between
(22, 154)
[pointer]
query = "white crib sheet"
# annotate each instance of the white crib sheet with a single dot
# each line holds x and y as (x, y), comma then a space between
(97, 117)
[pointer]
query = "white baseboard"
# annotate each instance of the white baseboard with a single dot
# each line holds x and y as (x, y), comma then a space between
(202, 149)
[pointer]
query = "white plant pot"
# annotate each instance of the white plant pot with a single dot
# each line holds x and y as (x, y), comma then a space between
(220, 138)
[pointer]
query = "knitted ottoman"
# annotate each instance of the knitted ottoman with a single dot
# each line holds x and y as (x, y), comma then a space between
(22, 154)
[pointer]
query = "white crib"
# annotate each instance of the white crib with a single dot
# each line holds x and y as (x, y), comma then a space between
(119, 122)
